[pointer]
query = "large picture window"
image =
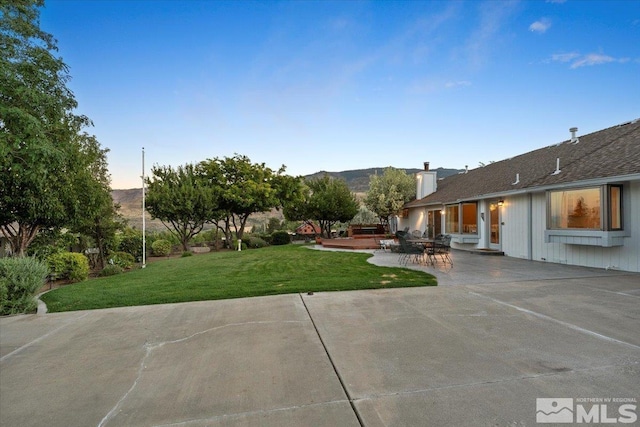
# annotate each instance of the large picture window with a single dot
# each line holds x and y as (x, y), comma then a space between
(594, 208)
(462, 218)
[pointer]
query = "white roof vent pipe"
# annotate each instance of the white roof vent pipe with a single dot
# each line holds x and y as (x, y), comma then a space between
(574, 138)
(557, 171)
(517, 180)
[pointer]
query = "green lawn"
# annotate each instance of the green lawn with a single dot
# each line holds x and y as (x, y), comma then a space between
(220, 275)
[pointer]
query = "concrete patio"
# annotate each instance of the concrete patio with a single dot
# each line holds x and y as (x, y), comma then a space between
(476, 351)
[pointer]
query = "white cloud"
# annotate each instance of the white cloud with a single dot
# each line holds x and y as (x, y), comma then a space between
(540, 26)
(578, 60)
(592, 59)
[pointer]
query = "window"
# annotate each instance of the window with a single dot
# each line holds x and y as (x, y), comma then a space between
(586, 208)
(470, 218)
(461, 218)
(452, 222)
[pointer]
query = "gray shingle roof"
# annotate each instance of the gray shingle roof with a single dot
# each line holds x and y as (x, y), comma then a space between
(611, 152)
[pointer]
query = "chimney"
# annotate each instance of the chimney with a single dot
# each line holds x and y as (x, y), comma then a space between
(426, 182)
(574, 138)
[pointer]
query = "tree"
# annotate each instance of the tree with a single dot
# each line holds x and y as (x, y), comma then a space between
(326, 200)
(364, 216)
(40, 152)
(246, 188)
(182, 200)
(389, 192)
(97, 216)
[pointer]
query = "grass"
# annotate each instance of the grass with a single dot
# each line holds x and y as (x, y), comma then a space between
(221, 275)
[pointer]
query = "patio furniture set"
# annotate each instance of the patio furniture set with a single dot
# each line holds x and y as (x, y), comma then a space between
(417, 248)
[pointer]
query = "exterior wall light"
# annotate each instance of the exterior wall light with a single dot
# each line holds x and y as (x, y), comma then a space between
(500, 202)
(442, 212)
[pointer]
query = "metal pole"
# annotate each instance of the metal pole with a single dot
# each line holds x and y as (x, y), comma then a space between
(144, 240)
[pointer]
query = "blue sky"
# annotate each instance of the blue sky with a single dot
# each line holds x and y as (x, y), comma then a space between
(347, 84)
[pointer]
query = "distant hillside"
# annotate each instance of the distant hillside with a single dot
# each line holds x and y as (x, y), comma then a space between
(358, 181)
(130, 202)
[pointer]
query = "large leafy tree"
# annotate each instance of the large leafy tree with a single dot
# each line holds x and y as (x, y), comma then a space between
(246, 188)
(40, 151)
(389, 192)
(326, 200)
(182, 199)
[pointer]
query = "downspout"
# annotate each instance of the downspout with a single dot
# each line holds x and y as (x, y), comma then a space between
(530, 227)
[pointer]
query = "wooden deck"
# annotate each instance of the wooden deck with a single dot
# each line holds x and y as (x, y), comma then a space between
(349, 243)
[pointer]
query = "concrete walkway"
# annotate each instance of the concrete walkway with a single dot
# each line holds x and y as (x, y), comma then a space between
(476, 351)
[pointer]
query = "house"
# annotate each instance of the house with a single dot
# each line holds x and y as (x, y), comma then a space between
(576, 202)
(307, 229)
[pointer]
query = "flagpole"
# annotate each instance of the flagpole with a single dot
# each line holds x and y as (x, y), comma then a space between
(144, 240)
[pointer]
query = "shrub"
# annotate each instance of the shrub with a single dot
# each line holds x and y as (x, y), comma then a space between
(186, 254)
(20, 279)
(123, 260)
(161, 247)
(280, 238)
(255, 242)
(111, 270)
(69, 265)
(50, 241)
(266, 237)
(164, 235)
(131, 242)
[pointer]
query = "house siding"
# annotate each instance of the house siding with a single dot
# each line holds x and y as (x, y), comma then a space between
(416, 220)
(515, 228)
(625, 257)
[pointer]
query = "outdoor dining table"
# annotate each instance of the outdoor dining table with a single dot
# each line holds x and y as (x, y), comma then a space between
(422, 241)
(427, 246)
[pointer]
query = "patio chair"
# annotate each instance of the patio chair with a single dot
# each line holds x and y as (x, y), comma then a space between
(442, 247)
(401, 233)
(409, 251)
(430, 253)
